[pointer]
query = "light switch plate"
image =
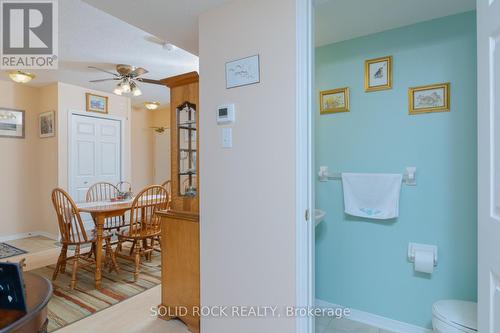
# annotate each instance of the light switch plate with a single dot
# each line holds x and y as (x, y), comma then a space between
(227, 137)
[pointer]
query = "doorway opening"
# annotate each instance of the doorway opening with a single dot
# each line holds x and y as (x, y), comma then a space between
(388, 99)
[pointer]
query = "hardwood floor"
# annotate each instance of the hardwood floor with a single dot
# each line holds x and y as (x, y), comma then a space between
(118, 319)
(44, 251)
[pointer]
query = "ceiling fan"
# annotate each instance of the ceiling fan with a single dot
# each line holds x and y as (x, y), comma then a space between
(128, 76)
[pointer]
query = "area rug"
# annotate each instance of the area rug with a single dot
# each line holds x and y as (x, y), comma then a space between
(7, 251)
(68, 306)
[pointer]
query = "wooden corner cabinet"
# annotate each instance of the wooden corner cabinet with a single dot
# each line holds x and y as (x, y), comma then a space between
(180, 230)
(184, 141)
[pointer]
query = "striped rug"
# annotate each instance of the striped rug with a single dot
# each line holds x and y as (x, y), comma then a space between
(68, 306)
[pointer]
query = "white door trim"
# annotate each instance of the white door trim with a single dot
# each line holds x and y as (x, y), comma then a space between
(304, 200)
(73, 113)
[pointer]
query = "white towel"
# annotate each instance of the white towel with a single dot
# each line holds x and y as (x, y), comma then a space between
(372, 195)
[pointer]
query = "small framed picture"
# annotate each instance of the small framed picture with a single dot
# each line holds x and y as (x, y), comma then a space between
(333, 101)
(378, 74)
(47, 124)
(431, 98)
(96, 103)
(12, 123)
(243, 72)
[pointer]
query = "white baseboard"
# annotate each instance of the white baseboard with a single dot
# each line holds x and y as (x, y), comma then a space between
(28, 234)
(376, 320)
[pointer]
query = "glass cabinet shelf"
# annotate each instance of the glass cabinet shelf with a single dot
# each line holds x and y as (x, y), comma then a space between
(187, 145)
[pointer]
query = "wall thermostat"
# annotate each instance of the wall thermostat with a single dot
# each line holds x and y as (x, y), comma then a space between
(225, 114)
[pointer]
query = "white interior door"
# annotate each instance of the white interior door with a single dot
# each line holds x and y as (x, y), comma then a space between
(162, 157)
(95, 153)
(488, 42)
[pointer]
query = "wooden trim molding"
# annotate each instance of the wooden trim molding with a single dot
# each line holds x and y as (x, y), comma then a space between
(181, 215)
(180, 80)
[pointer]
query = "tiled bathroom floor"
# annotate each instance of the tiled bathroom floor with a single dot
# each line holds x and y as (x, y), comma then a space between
(343, 325)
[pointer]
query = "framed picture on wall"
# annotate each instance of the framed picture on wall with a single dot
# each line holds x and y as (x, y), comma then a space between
(378, 74)
(334, 101)
(47, 124)
(243, 72)
(96, 103)
(12, 123)
(430, 98)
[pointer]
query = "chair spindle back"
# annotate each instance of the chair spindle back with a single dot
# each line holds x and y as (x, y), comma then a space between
(69, 219)
(143, 218)
(101, 192)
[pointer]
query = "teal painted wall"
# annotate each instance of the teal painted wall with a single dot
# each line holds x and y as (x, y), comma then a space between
(362, 263)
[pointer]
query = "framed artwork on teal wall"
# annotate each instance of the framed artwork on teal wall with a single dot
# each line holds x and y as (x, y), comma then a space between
(431, 98)
(335, 100)
(378, 74)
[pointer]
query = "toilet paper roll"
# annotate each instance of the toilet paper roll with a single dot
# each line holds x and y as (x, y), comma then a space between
(424, 262)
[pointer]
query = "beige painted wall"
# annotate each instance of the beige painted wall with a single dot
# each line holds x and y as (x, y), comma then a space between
(161, 117)
(47, 163)
(142, 149)
(18, 168)
(161, 155)
(248, 192)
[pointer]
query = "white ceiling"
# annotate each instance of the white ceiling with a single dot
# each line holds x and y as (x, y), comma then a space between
(175, 21)
(88, 36)
(338, 20)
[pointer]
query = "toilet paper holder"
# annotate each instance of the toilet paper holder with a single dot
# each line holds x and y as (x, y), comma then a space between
(414, 247)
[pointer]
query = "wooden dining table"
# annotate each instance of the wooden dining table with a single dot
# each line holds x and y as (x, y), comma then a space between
(100, 211)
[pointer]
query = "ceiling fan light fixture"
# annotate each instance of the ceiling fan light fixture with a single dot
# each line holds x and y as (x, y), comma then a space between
(152, 105)
(21, 77)
(125, 86)
(118, 90)
(136, 91)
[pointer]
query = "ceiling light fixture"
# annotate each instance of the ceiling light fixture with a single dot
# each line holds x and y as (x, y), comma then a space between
(118, 90)
(125, 86)
(152, 105)
(21, 77)
(135, 89)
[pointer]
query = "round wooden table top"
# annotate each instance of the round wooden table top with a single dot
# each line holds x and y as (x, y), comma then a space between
(38, 294)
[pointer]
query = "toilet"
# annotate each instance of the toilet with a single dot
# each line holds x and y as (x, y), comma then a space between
(453, 316)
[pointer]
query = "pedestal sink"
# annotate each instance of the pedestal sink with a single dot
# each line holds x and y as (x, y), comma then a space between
(319, 216)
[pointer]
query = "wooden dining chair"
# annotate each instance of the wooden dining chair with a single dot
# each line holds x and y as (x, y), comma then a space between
(168, 186)
(144, 225)
(104, 191)
(74, 234)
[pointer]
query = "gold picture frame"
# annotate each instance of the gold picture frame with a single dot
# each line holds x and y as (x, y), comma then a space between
(334, 101)
(378, 74)
(429, 98)
(96, 103)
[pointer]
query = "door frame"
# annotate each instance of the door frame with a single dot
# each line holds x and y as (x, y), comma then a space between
(304, 208)
(71, 115)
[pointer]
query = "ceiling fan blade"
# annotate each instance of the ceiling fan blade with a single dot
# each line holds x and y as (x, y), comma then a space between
(102, 80)
(140, 79)
(123, 69)
(103, 70)
(138, 72)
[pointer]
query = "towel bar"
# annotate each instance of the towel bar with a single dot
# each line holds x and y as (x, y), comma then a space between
(409, 177)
